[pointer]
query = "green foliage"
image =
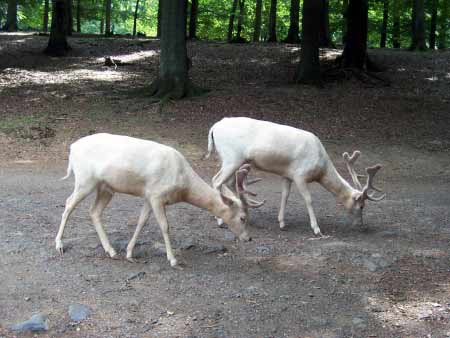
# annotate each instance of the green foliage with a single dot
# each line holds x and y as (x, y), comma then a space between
(213, 16)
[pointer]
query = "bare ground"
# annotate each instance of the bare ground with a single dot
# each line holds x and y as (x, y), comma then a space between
(392, 280)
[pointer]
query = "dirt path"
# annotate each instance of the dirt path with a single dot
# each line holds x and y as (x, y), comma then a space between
(392, 280)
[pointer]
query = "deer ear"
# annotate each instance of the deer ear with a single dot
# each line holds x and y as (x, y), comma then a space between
(228, 201)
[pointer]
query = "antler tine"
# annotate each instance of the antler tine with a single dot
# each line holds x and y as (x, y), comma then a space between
(371, 172)
(349, 161)
(241, 186)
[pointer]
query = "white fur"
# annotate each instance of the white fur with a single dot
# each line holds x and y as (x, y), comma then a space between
(296, 155)
(158, 173)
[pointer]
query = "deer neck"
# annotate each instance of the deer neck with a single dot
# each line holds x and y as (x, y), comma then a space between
(201, 195)
(336, 184)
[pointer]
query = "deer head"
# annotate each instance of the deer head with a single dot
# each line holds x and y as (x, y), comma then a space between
(356, 202)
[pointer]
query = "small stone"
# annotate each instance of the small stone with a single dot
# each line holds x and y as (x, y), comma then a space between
(218, 248)
(229, 236)
(78, 312)
(37, 323)
(425, 315)
(187, 244)
(159, 249)
(263, 249)
(137, 275)
(359, 323)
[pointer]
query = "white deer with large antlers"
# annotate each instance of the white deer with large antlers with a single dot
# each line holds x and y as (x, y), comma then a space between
(295, 155)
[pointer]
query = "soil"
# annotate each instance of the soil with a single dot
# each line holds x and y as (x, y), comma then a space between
(390, 280)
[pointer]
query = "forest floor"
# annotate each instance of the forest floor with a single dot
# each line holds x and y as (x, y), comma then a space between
(392, 280)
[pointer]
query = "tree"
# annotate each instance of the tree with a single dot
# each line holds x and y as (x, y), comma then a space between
(135, 17)
(355, 49)
(396, 24)
(69, 16)
(108, 17)
(418, 26)
(173, 81)
(273, 21)
(239, 38)
(193, 20)
(78, 16)
(11, 17)
(308, 70)
(344, 19)
(433, 24)
(293, 31)
(57, 43)
(45, 20)
(384, 24)
(324, 27)
(257, 25)
(231, 21)
(443, 23)
(158, 28)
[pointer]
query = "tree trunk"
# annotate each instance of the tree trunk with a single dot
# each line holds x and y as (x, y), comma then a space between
(384, 24)
(193, 20)
(355, 49)
(309, 67)
(418, 26)
(135, 17)
(78, 16)
(396, 24)
(45, 21)
(231, 21)
(344, 19)
(158, 28)
(273, 22)
(443, 26)
(173, 81)
(57, 43)
(257, 26)
(433, 23)
(240, 21)
(102, 25)
(69, 5)
(11, 17)
(107, 17)
(293, 31)
(324, 27)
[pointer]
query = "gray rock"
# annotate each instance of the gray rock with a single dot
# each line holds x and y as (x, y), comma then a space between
(264, 249)
(216, 248)
(186, 244)
(359, 323)
(159, 249)
(229, 236)
(78, 312)
(137, 275)
(37, 323)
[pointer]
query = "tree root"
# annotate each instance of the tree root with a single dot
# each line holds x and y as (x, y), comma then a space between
(347, 73)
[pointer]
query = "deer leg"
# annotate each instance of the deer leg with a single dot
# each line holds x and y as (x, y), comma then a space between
(79, 193)
(101, 201)
(303, 188)
(286, 189)
(143, 218)
(160, 215)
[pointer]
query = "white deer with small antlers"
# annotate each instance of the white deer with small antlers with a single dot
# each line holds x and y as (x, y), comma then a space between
(295, 155)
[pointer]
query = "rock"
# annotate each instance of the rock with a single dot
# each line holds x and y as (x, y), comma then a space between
(187, 244)
(78, 312)
(425, 315)
(37, 323)
(371, 266)
(229, 236)
(137, 275)
(264, 249)
(359, 323)
(217, 248)
(159, 249)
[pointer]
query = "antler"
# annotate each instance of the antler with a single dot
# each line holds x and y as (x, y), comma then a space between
(350, 161)
(241, 186)
(371, 172)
